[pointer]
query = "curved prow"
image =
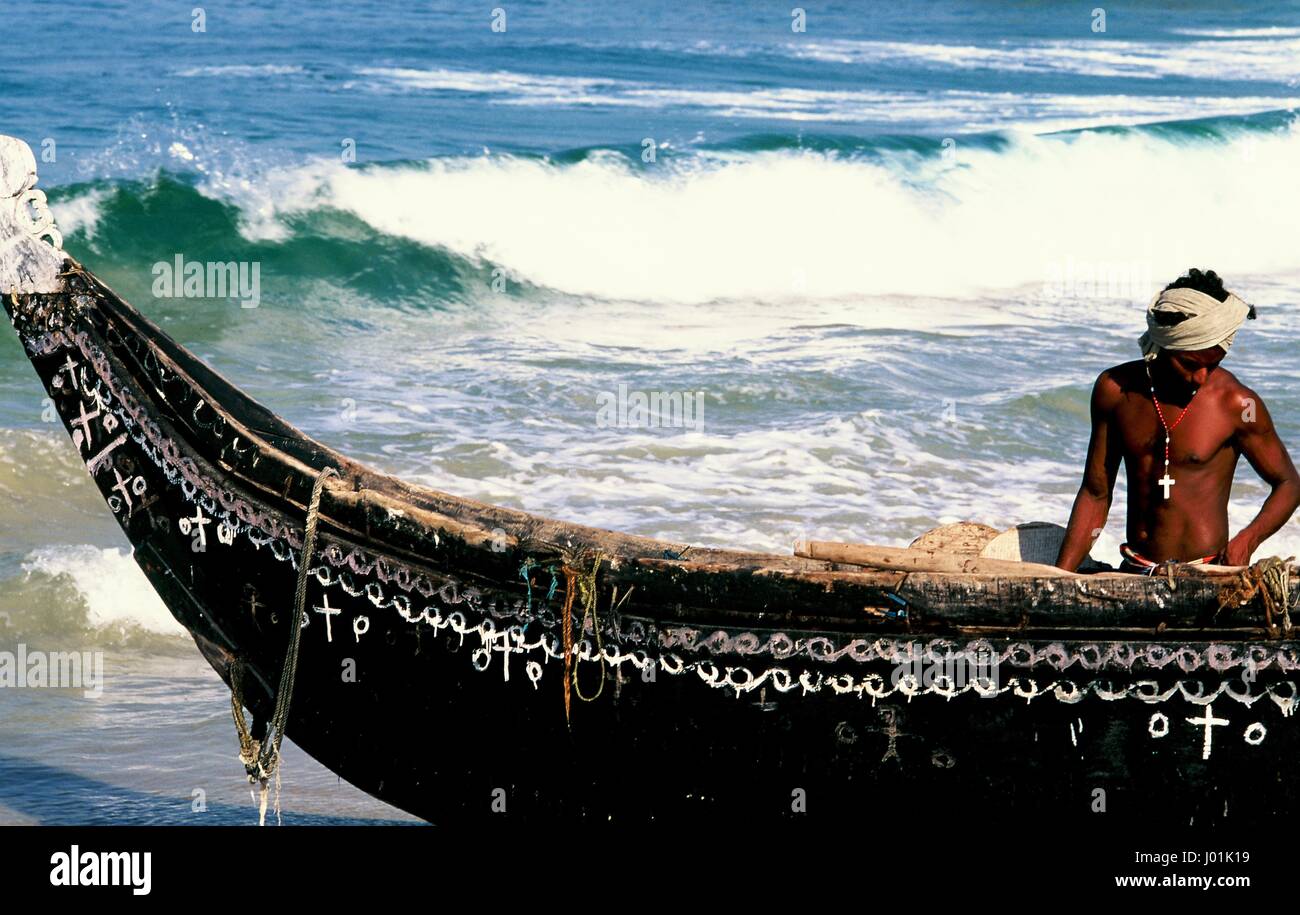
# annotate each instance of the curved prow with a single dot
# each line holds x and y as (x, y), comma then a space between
(31, 256)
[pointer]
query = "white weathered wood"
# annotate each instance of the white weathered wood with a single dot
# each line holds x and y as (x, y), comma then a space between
(31, 256)
(913, 560)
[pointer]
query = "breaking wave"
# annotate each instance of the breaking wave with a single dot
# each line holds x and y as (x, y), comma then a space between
(83, 597)
(764, 219)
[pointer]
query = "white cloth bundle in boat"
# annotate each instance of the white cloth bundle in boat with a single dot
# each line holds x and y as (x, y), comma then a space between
(1033, 541)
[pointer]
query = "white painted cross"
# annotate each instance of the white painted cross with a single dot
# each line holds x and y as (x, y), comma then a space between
(506, 636)
(99, 460)
(71, 368)
(1166, 481)
(195, 528)
(329, 612)
(122, 486)
(1209, 721)
(82, 434)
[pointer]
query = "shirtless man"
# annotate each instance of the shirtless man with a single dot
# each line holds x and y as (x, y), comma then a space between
(1178, 498)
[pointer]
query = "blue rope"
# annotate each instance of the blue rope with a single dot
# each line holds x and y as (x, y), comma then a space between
(523, 573)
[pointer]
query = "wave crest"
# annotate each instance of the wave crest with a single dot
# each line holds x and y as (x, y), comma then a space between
(796, 224)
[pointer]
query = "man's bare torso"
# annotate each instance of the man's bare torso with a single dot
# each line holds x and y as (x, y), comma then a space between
(1203, 452)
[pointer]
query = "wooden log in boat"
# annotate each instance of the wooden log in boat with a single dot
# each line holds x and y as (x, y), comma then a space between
(920, 560)
(499, 657)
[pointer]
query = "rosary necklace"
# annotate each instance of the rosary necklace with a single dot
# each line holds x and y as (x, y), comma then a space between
(1167, 481)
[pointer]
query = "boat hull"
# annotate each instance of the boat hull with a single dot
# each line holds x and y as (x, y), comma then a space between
(442, 692)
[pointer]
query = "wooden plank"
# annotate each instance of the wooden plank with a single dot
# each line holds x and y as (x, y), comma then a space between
(912, 560)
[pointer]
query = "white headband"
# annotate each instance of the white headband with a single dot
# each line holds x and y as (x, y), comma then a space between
(1209, 322)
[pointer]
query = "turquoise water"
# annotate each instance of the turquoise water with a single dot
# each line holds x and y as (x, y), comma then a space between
(889, 254)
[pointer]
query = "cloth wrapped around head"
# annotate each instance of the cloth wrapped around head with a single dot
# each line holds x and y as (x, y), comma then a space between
(1209, 322)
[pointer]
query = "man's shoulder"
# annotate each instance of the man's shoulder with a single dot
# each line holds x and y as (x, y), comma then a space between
(1235, 395)
(1115, 381)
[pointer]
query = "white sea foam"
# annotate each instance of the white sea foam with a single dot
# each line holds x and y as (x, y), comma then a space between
(960, 110)
(555, 88)
(80, 213)
(868, 476)
(114, 588)
(1249, 56)
(803, 225)
(1275, 31)
(241, 70)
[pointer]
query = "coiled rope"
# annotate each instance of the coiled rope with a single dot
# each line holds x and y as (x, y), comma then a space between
(1270, 580)
(261, 759)
(587, 594)
(582, 586)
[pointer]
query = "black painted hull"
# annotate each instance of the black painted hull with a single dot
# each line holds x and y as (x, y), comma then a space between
(432, 674)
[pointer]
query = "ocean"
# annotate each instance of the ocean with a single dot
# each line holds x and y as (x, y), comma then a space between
(863, 274)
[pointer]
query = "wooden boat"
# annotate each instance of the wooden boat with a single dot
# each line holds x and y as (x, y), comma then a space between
(461, 660)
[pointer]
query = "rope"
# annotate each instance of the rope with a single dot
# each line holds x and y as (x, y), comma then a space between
(587, 589)
(1169, 570)
(248, 747)
(262, 760)
(566, 623)
(525, 571)
(1275, 576)
(1270, 580)
(576, 583)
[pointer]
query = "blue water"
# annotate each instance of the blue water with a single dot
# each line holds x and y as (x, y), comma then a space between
(889, 252)
(113, 83)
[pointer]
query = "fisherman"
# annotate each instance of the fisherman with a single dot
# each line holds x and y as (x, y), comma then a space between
(1179, 422)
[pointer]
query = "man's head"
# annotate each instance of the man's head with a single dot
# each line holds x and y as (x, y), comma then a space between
(1191, 324)
(1192, 367)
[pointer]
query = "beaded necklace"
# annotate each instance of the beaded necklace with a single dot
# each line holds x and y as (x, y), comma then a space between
(1167, 481)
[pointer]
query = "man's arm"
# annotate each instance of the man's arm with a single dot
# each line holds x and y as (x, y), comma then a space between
(1259, 442)
(1092, 504)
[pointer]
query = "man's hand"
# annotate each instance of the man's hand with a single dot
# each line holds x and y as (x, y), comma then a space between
(1239, 550)
(1259, 442)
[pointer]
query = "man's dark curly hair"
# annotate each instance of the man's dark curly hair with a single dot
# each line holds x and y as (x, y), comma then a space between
(1206, 281)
